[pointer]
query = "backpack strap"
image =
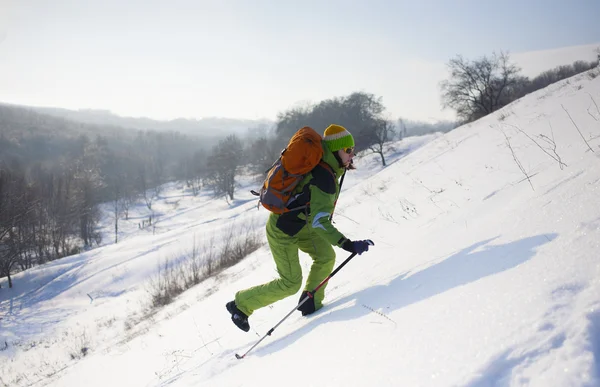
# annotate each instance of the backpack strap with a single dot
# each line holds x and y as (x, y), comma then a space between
(334, 204)
(327, 167)
(330, 169)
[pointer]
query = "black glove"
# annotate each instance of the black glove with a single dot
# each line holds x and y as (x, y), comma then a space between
(309, 306)
(357, 247)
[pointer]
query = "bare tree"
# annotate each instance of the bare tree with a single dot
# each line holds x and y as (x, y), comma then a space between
(150, 167)
(402, 129)
(195, 171)
(362, 114)
(117, 177)
(117, 206)
(477, 88)
(88, 182)
(62, 211)
(261, 150)
(381, 134)
(16, 202)
(7, 223)
(157, 161)
(224, 162)
(126, 191)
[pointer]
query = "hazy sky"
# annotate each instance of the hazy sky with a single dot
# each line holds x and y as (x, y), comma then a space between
(254, 59)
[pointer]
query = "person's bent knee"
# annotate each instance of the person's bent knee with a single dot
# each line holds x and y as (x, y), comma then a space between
(290, 288)
(330, 257)
(327, 255)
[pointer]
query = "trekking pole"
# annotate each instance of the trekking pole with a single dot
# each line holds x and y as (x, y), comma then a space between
(309, 295)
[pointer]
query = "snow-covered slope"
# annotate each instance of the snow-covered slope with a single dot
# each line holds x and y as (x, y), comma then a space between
(485, 272)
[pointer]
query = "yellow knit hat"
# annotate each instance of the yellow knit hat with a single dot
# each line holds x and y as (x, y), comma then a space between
(337, 137)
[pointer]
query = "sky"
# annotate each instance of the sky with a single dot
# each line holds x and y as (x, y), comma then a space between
(479, 276)
(255, 59)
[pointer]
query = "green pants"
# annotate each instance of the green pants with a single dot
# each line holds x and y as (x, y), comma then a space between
(285, 253)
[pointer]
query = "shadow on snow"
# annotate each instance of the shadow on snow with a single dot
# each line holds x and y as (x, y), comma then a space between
(473, 263)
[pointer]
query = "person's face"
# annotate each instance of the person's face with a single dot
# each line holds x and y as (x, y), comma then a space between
(346, 155)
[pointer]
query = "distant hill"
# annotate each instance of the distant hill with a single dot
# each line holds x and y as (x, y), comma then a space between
(205, 126)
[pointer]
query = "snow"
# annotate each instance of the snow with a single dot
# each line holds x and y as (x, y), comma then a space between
(477, 278)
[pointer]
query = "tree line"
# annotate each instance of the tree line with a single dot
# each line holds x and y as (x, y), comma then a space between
(476, 88)
(55, 173)
(364, 114)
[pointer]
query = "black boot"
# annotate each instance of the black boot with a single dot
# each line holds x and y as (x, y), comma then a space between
(309, 306)
(237, 316)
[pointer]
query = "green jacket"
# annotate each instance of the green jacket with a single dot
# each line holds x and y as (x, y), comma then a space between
(320, 188)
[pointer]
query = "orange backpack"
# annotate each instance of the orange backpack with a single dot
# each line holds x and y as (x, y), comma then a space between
(302, 154)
